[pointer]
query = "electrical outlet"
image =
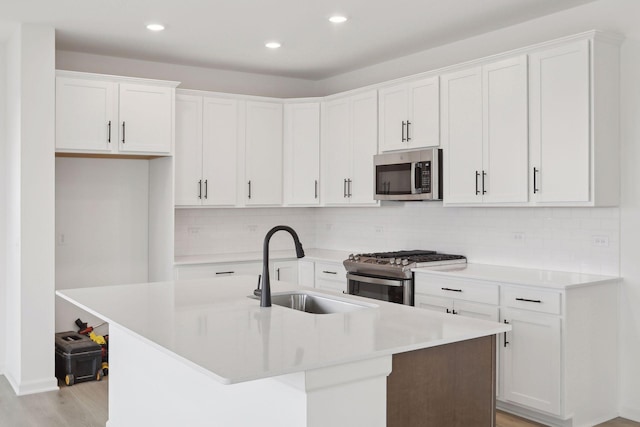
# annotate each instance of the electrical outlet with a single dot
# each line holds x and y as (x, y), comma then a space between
(378, 228)
(600, 241)
(518, 236)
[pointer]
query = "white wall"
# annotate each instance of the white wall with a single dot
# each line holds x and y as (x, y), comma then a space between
(101, 227)
(30, 209)
(190, 77)
(3, 205)
(218, 231)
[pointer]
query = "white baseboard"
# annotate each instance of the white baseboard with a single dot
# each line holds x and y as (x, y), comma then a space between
(32, 387)
(632, 414)
(538, 417)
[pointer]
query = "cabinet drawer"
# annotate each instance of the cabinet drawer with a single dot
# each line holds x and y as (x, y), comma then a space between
(466, 290)
(202, 271)
(331, 272)
(532, 299)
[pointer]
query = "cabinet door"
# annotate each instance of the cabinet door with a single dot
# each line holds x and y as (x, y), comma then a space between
(364, 138)
(335, 152)
(428, 302)
(263, 159)
(393, 118)
(188, 154)
(220, 152)
(306, 273)
(462, 135)
(505, 157)
(531, 360)
(302, 154)
(86, 118)
(146, 118)
(559, 123)
(423, 129)
(286, 271)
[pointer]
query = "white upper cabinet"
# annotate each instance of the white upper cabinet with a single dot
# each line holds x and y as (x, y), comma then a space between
(349, 142)
(409, 115)
(98, 114)
(302, 154)
(560, 124)
(206, 151)
(188, 153)
(86, 115)
(462, 135)
(263, 156)
(220, 151)
(484, 133)
(146, 114)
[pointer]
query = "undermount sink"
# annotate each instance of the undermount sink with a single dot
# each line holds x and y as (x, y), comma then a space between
(315, 303)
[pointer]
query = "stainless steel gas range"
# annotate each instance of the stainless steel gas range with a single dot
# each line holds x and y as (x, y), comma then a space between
(387, 276)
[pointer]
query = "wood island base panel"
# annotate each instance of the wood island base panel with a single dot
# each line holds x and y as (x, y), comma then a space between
(452, 385)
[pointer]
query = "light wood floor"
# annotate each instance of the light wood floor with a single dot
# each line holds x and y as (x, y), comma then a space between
(86, 405)
(507, 420)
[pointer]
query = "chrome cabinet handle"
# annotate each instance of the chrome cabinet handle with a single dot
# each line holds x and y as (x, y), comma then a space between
(535, 185)
(477, 175)
(206, 188)
(344, 188)
(200, 189)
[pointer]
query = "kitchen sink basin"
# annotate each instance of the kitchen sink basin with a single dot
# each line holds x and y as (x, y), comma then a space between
(316, 303)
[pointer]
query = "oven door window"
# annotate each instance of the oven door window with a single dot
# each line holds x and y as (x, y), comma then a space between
(393, 179)
(383, 292)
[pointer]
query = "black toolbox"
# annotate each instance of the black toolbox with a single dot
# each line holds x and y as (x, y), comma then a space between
(78, 358)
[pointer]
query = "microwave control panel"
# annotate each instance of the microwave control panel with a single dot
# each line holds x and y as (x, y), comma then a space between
(423, 177)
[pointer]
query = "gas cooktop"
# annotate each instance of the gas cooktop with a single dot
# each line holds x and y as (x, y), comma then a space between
(398, 263)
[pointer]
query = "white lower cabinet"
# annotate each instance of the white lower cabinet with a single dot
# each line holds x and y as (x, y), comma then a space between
(531, 361)
(452, 306)
(558, 364)
(331, 276)
(306, 273)
(203, 271)
(285, 271)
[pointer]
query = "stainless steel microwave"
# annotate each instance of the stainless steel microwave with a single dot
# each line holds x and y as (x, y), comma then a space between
(408, 175)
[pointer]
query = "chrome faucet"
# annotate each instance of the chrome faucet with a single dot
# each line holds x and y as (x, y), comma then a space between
(265, 292)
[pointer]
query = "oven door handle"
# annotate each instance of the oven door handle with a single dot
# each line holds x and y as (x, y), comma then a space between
(375, 280)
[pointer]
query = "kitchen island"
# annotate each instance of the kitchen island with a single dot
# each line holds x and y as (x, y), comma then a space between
(201, 353)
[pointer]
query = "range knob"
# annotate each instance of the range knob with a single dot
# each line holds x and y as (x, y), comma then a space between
(351, 257)
(405, 262)
(392, 261)
(356, 257)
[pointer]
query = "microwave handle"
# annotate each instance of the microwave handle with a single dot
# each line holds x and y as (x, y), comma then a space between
(417, 176)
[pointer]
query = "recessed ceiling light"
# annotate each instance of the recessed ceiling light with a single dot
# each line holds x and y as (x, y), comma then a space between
(273, 45)
(155, 27)
(338, 19)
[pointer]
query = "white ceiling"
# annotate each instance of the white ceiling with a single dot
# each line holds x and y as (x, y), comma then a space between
(231, 34)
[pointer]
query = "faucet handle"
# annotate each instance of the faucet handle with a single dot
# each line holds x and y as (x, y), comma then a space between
(257, 291)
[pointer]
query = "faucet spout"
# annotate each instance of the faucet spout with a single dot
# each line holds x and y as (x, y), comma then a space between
(265, 294)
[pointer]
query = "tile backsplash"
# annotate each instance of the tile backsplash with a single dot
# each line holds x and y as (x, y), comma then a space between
(570, 239)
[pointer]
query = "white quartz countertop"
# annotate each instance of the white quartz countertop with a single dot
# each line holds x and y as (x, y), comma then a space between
(211, 325)
(310, 254)
(518, 276)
